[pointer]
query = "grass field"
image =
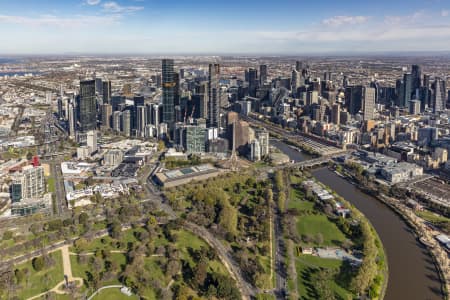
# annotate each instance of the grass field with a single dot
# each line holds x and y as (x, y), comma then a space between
(51, 184)
(38, 282)
(432, 217)
(315, 224)
(306, 266)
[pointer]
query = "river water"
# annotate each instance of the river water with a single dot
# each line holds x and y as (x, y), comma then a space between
(412, 274)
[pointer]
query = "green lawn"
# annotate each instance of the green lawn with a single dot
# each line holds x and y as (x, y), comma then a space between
(306, 266)
(432, 217)
(51, 184)
(113, 294)
(315, 224)
(296, 202)
(38, 282)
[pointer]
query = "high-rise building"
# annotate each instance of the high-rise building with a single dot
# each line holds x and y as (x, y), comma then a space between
(262, 135)
(141, 119)
(71, 121)
(353, 99)
(30, 181)
(87, 106)
(91, 140)
(255, 150)
(116, 102)
(126, 122)
(117, 121)
(298, 66)
(60, 108)
(98, 86)
(439, 95)
(414, 107)
(106, 91)
(213, 95)
(416, 74)
(369, 103)
(252, 81)
(168, 92)
(336, 114)
(295, 80)
(262, 74)
(407, 89)
(194, 139)
(106, 115)
(200, 100)
(155, 115)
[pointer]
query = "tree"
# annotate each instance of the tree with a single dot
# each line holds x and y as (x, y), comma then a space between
(282, 201)
(83, 218)
(228, 218)
(279, 180)
(269, 196)
(38, 263)
(7, 235)
(20, 275)
(200, 273)
(319, 239)
(173, 267)
(80, 244)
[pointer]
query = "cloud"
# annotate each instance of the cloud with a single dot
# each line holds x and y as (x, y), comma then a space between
(63, 22)
(114, 7)
(93, 2)
(406, 19)
(344, 20)
(445, 13)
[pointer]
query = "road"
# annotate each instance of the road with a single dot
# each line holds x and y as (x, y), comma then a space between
(246, 289)
(60, 195)
(280, 268)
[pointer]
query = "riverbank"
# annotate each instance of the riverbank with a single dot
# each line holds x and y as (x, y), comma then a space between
(412, 272)
(406, 280)
(421, 233)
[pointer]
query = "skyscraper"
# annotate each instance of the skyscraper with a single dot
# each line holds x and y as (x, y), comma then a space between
(353, 99)
(336, 114)
(369, 103)
(407, 89)
(168, 92)
(252, 81)
(126, 122)
(416, 78)
(213, 95)
(141, 119)
(106, 91)
(439, 95)
(87, 106)
(298, 66)
(262, 74)
(71, 121)
(106, 115)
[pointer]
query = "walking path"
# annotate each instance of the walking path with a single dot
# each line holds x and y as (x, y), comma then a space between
(67, 267)
(104, 288)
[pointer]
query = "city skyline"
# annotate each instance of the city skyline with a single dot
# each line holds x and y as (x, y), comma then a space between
(253, 27)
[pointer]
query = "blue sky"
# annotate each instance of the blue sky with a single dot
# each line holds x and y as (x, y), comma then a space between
(217, 27)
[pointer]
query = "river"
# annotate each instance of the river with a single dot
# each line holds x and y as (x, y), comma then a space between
(412, 274)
